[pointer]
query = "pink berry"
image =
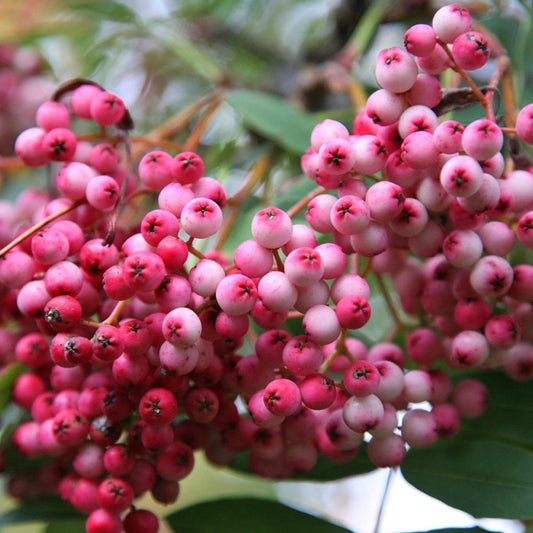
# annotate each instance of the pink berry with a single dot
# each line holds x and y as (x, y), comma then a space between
(395, 70)
(470, 50)
(450, 21)
(271, 227)
(107, 108)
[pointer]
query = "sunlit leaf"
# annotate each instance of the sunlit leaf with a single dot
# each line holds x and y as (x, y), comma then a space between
(245, 515)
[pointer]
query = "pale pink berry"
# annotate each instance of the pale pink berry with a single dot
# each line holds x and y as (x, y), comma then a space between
(321, 323)
(81, 99)
(395, 70)
(236, 294)
(349, 284)
(482, 139)
(448, 136)
(349, 215)
(384, 107)
(364, 413)
(497, 237)
(302, 356)
(370, 154)
(417, 118)
(182, 327)
(370, 241)
(201, 218)
(333, 259)
(485, 198)
(411, 220)
(102, 192)
(524, 124)
(318, 213)
(252, 259)
(29, 147)
(326, 130)
(205, 276)
(385, 200)
(271, 227)
(418, 150)
(416, 386)
(470, 396)
(461, 176)
(436, 62)
(462, 247)
(491, 276)
(425, 91)
(50, 115)
(303, 266)
(450, 21)
(277, 292)
(387, 450)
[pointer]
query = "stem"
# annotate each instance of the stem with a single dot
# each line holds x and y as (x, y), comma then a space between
(193, 250)
(386, 490)
(36, 227)
(277, 258)
(257, 171)
(194, 138)
(388, 300)
(339, 348)
(112, 319)
(475, 89)
(364, 31)
(301, 204)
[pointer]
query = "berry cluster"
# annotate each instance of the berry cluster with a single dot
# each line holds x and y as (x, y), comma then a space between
(140, 349)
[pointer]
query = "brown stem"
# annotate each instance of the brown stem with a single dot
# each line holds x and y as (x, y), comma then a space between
(193, 250)
(302, 204)
(277, 258)
(113, 317)
(475, 89)
(194, 138)
(36, 227)
(257, 172)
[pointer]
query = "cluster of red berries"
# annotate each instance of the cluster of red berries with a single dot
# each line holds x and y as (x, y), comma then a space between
(136, 344)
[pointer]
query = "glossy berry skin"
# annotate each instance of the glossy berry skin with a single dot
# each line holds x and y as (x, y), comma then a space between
(361, 378)
(470, 50)
(158, 407)
(282, 397)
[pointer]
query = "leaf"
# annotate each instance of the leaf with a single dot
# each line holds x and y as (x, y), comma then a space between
(509, 410)
(40, 509)
(60, 526)
(485, 478)
(324, 470)
(243, 515)
(7, 377)
(273, 118)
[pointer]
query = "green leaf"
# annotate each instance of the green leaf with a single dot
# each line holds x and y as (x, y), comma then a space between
(39, 509)
(485, 478)
(60, 526)
(273, 118)
(7, 377)
(509, 410)
(243, 515)
(324, 470)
